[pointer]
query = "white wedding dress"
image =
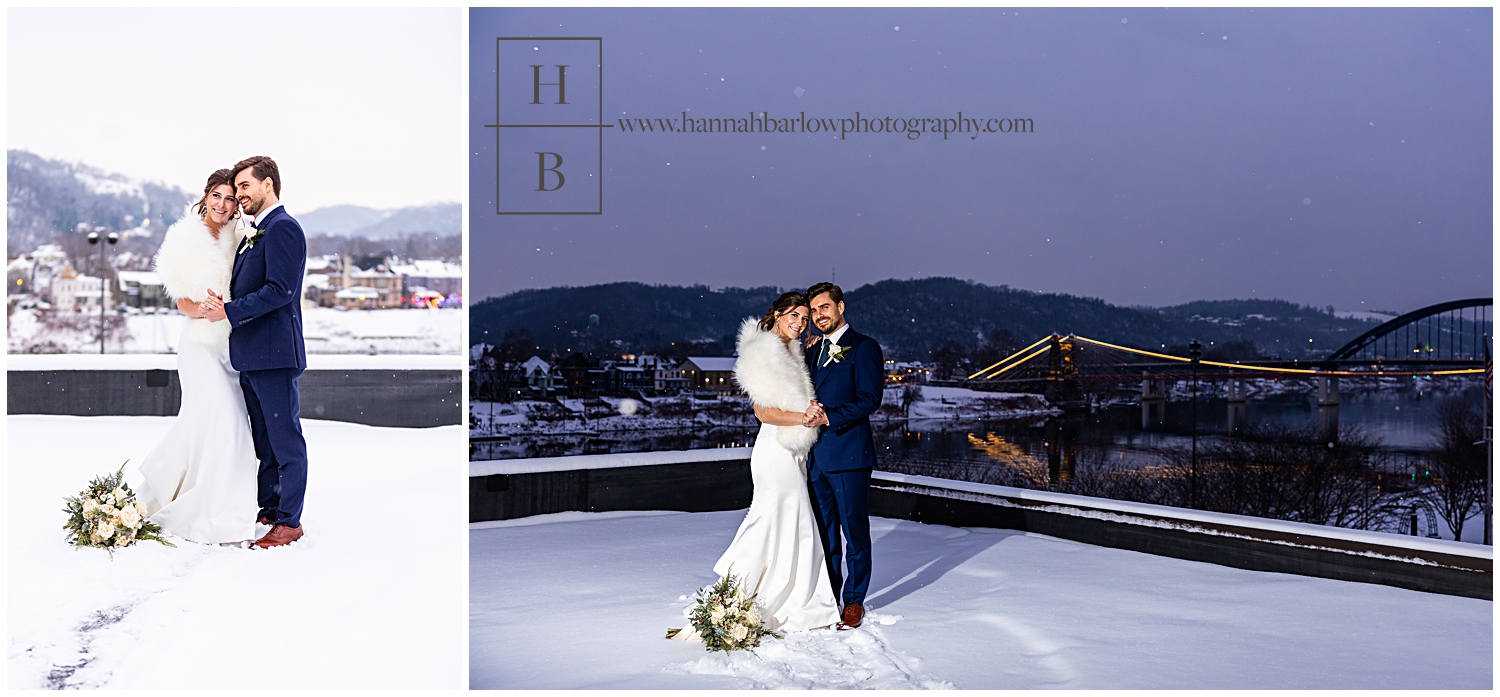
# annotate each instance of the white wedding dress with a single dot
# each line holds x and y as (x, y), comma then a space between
(200, 479)
(778, 551)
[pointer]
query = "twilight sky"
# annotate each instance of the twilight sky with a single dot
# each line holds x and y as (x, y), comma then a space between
(1336, 157)
(170, 95)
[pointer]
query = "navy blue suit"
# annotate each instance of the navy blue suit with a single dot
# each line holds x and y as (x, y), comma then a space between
(265, 345)
(839, 466)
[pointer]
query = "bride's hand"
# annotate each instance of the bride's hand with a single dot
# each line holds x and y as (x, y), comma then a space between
(813, 341)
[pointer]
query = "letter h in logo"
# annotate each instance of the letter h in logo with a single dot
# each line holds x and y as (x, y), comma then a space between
(549, 133)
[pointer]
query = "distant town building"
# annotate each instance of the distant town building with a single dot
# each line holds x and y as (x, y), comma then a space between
(72, 292)
(710, 373)
(429, 278)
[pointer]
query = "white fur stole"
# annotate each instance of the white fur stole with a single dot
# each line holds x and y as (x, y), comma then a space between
(190, 261)
(774, 374)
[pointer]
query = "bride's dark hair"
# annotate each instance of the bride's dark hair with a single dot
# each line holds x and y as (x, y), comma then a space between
(222, 176)
(787, 301)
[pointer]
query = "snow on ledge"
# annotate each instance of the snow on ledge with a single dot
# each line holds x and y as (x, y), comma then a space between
(484, 468)
(1090, 503)
(167, 361)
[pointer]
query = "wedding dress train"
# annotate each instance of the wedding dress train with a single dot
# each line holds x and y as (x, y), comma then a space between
(778, 550)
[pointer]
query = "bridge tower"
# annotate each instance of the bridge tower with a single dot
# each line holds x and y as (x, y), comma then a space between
(1328, 408)
(1062, 374)
(1237, 400)
(1153, 401)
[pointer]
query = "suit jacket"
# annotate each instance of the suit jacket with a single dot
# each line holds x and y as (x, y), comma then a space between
(850, 391)
(265, 313)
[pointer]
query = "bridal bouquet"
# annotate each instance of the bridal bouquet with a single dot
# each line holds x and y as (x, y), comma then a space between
(726, 619)
(106, 515)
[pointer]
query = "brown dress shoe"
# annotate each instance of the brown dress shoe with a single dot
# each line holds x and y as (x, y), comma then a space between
(280, 535)
(854, 615)
(265, 521)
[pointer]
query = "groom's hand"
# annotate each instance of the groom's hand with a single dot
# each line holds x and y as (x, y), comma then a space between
(814, 416)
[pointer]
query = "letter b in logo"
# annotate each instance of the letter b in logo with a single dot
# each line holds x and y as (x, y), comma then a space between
(542, 169)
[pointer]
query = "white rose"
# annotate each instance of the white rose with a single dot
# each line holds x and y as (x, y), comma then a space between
(119, 496)
(89, 506)
(718, 613)
(739, 632)
(140, 509)
(754, 615)
(107, 509)
(129, 517)
(106, 530)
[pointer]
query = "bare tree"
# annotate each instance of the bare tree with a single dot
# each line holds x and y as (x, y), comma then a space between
(910, 394)
(1457, 464)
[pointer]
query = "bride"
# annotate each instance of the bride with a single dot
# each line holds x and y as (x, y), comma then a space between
(200, 479)
(778, 551)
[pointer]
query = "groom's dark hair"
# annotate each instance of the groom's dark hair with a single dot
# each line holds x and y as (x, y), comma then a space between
(260, 167)
(834, 292)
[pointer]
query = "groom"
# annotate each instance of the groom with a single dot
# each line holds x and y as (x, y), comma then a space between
(265, 312)
(848, 373)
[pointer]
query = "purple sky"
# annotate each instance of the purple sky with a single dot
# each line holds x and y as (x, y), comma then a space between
(1325, 157)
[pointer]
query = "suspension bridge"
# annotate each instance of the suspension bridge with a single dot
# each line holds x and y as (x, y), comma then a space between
(1446, 339)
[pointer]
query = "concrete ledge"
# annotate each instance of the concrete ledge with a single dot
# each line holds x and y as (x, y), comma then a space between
(1234, 546)
(374, 397)
(713, 480)
(720, 485)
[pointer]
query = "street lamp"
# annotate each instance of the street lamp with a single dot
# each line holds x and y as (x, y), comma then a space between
(94, 238)
(1195, 350)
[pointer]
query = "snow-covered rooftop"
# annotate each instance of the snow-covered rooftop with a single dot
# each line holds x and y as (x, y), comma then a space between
(325, 613)
(582, 600)
(712, 363)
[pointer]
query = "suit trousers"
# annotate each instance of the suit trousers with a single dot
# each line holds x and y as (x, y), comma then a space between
(276, 429)
(842, 502)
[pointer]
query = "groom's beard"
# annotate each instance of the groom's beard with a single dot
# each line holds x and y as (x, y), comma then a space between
(252, 208)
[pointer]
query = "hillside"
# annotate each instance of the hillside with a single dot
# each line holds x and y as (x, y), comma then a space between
(45, 197)
(441, 219)
(912, 319)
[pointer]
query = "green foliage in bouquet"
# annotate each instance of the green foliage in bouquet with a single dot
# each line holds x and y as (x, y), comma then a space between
(726, 619)
(106, 515)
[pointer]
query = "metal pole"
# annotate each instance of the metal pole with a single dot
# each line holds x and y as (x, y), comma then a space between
(1489, 451)
(101, 299)
(1195, 350)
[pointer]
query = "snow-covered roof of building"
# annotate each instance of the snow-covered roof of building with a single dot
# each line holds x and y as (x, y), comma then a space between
(535, 363)
(712, 363)
(143, 278)
(315, 280)
(430, 268)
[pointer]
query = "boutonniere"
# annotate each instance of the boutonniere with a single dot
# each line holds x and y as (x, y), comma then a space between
(252, 238)
(836, 353)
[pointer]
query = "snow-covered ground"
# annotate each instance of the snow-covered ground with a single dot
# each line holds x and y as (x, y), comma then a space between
(372, 598)
(326, 330)
(681, 412)
(581, 600)
(959, 404)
